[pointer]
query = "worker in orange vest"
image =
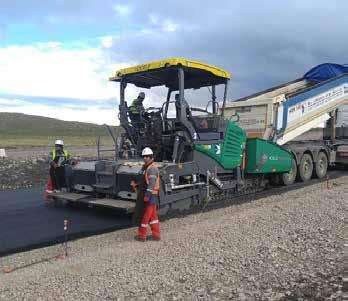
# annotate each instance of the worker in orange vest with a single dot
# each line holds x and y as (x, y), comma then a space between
(151, 198)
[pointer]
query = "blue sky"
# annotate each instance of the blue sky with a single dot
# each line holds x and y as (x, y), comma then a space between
(56, 56)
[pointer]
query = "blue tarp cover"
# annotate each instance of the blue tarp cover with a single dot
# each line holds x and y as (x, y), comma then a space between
(325, 72)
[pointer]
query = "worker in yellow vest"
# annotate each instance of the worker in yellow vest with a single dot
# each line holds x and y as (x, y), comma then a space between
(136, 109)
(57, 158)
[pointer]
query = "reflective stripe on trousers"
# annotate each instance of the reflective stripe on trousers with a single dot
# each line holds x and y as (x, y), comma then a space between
(150, 218)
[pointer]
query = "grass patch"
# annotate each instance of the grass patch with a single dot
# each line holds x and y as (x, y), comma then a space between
(20, 130)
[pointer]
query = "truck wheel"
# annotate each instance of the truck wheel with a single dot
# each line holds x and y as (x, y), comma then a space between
(321, 166)
(290, 177)
(306, 168)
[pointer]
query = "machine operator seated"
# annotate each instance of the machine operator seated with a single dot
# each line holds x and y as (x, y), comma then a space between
(136, 111)
(138, 114)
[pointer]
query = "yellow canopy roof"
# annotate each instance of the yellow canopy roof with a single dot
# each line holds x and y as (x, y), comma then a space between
(163, 72)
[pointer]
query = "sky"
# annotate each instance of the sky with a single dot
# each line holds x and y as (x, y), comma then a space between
(56, 56)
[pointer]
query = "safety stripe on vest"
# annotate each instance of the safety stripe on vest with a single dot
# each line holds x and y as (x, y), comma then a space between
(156, 187)
(154, 222)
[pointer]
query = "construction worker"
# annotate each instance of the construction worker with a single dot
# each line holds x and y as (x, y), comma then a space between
(136, 109)
(57, 157)
(151, 198)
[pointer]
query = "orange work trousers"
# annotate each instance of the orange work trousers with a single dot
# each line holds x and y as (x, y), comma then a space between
(150, 218)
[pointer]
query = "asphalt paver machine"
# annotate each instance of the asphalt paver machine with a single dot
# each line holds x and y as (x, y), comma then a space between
(202, 156)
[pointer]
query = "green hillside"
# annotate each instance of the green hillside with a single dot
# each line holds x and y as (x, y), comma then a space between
(26, 130)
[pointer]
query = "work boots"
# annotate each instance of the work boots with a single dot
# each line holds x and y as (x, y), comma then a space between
(151, 238)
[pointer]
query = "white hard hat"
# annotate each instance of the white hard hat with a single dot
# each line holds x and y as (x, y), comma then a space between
(147, 152)
(59, 142)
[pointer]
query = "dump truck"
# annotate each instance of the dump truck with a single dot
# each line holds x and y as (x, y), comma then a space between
(203, 156)
(287, 113)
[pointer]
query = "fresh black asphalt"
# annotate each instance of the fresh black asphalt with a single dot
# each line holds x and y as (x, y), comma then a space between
(26, 221)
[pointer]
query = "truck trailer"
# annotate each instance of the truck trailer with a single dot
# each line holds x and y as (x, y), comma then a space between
(287, 113)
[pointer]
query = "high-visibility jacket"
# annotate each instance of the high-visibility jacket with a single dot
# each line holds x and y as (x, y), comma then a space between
(152, 179)
(65, 153)
(136, 107)
(58, 157)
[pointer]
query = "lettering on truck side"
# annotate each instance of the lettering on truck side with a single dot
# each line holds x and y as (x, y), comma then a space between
(307, 106)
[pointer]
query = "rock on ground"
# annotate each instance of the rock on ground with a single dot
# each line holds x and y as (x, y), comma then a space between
(282, 247)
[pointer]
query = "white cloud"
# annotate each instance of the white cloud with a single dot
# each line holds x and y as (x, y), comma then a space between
(79, 111)
(53, 70)
(122, 10)
(154, 19)
(165, 25)
(107, 41)
(48, 69)
(169, 26)
(8, 103)
(93, 114)
(48, 45)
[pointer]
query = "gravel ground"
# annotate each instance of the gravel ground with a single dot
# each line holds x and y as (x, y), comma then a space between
(24, 168)
(21, 173)
(283, 247)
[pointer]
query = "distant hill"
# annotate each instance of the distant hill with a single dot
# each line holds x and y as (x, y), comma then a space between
(18, 129)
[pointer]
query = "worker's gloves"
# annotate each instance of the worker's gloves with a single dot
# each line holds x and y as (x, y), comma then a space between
(147, 196)
(55, 165)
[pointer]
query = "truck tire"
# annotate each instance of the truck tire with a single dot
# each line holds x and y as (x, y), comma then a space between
(321, 166)
(306, 168)
(290, 177)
